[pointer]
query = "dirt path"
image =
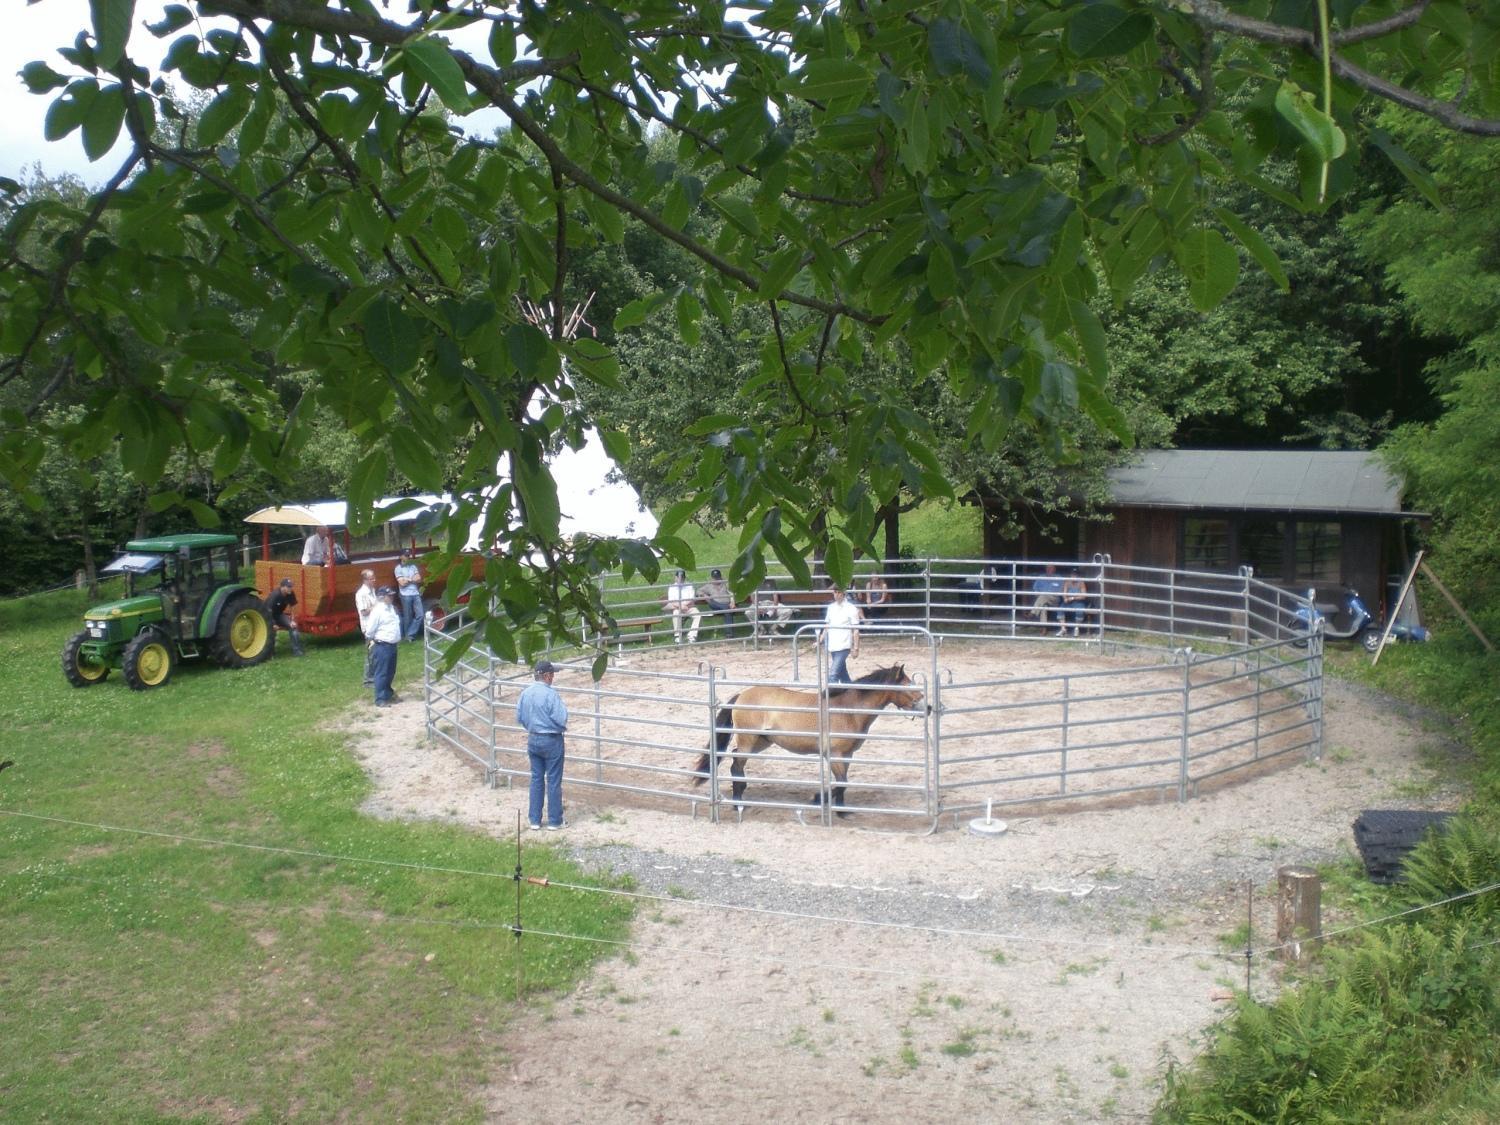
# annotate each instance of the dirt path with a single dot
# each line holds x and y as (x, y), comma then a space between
(1039, 976)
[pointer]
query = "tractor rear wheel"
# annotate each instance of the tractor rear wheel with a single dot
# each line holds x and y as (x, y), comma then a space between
(243, 635)
(149, 661)
(81, 669)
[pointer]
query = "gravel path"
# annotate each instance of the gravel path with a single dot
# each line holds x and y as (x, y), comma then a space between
(1042, 975)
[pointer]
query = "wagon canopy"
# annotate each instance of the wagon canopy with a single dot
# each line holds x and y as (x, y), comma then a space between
(335, 513)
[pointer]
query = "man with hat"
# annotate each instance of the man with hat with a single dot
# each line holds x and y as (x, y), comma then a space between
(544, 715)
(279, 606)
(383, 631)
(409, 584)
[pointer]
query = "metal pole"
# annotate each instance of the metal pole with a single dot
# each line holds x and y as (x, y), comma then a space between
(713, 748)
(932, 733)
(1187, 698)
(1014, 591)
(598, 743)
(492, 706)
(1063, 774)
(825, 795)
(927, 594)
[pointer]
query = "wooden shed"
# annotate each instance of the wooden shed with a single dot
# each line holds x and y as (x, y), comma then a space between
(1301, 518)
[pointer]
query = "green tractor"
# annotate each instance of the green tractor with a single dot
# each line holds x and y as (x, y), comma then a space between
(183, 599)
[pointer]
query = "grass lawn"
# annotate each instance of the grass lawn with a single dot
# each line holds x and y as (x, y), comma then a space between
(149, 976)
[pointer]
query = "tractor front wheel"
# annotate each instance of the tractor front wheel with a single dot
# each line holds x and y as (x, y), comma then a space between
(81, 669)
(243, 636)
(149, 661)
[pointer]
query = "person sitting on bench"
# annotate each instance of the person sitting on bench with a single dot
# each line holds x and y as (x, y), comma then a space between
(1048, 590)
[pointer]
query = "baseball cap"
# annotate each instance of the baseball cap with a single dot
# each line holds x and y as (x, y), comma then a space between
(385, 591)
(716, 573)
(544, 666)
(287, 582)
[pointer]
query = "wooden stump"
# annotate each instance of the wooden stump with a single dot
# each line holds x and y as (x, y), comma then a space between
(1299, 913)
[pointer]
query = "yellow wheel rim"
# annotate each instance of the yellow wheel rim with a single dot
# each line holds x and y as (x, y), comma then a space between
(248, 634)
(90, 670)
(154, 664)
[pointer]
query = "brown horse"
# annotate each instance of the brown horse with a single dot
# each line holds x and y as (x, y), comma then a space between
(766, 714)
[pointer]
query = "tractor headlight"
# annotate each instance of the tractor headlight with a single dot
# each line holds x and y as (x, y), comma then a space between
(97, 629)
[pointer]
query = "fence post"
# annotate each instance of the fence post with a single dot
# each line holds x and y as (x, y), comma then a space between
(1015, 594)
(713, 746)
(927, 594)
(598, 732)
(1187, 703)
(825, 794)
(493, 773)
(932, 730)
(1171, 607)
(1299, 906)
(1062, 777)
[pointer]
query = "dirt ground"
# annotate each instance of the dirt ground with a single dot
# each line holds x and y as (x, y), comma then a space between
(856, 973)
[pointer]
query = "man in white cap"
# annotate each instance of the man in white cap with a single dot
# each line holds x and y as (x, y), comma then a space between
(682, 600)
(544, 715)
(383, 633)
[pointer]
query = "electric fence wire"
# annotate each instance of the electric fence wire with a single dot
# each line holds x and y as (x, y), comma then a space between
(905, 927)
(705, 904)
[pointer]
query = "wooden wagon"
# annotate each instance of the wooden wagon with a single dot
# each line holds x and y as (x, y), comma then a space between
(325, 593)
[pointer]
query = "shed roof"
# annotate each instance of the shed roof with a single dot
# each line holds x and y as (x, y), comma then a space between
(1262, 480)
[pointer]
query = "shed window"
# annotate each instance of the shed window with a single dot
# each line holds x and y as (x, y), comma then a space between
(1319, 553)
(1263, 546)
(1205, 544)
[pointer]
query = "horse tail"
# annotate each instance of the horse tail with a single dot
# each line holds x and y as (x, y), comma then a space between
(723, 731)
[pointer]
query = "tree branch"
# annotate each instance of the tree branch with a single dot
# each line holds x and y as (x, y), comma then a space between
(1214, 15)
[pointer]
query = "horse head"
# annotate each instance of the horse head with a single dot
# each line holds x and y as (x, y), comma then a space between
(895, 677)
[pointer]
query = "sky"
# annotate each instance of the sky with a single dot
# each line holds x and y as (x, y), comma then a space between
(35, 30)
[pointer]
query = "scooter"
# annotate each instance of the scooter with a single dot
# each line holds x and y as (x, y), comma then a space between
(1362, 624)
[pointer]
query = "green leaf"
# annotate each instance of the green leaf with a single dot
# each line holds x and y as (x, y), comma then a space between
(430, 59)
(1259, 249)
(1100, 30)
(101, 125)
(1409, 166)
(39, 78)
(68, 110)
(1211, 266)
(827, 79)
(223, 114)
(529, 348)
(638, 556)
(538, 492)
(955, 51)
(1092, 339)
(415, 460)
(368, 481)
(391, 335)
(839, 562)
(112, 20)
(1319, 130)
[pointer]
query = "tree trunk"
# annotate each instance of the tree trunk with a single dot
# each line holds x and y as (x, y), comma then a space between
(90, 567)
(891, 514)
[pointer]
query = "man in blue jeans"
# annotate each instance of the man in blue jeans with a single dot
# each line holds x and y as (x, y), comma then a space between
(544, 715)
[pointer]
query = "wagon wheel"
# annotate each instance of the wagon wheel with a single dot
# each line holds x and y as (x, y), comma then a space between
(149, 661)
(243, 635)
(81, 669)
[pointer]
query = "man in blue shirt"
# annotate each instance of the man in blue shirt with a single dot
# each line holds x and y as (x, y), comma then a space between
(1048, 589)
(409, 584)
(544, 715)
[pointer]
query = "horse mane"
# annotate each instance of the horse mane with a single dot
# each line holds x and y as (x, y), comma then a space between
(888, 675)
